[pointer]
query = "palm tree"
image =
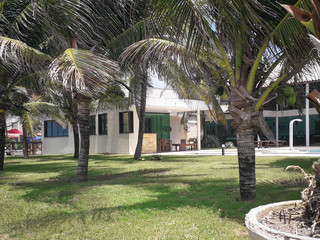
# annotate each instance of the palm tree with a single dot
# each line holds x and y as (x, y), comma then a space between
(29, 117)
(11, 74)
(66, 24)
(85, 74)
(237, 46)
(133, 16)
(68, 106)
(139, 85)
(309, 19)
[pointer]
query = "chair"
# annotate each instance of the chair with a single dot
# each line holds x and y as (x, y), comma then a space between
(167, 145)
(183, 148)
(161, 146)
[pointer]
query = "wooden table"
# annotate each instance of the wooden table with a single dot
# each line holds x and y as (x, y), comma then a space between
(193, 146)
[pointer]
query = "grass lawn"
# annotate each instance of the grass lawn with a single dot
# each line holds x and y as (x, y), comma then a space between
(179, 197)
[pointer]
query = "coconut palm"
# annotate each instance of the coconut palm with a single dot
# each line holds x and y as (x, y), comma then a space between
(68, 107)
(11, 75)
(30, 119)
(134, 17)
(67, 28)
(309, 19)
(85, 74)
(237, 48)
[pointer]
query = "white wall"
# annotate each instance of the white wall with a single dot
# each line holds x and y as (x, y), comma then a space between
(113, 142)
(158, 101)
(133, 137)
(192, 130)
(57, 145)
(177, 132)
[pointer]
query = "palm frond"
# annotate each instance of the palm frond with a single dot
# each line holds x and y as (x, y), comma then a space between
(42, 109)
(83, 72)
(28, 124)
(156, 50)
(19, 53)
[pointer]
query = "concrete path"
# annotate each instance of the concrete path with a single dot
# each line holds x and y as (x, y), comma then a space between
(275, 151)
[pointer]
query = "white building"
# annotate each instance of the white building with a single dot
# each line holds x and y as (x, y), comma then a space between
(117, 131)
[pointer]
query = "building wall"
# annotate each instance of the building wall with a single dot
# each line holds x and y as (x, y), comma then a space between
(58, 145)
(159, 101)
(178, 131)
(128, 140)
(113, 142)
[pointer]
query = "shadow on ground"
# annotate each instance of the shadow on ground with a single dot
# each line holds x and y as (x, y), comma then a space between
(200, 190)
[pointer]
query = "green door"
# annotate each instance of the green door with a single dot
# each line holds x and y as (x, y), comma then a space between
(158, 123)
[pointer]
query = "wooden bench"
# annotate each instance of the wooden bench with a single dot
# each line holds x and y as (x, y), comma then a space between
(258, 144)
(278, 143)
(193, 146)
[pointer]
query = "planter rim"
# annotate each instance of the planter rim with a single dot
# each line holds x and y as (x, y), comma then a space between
(253, 225)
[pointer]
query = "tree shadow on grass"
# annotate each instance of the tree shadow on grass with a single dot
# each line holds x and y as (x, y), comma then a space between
(218, 195)
(170, 190)
(304, 162)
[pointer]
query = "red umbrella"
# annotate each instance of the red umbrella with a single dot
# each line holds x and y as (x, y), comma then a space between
(14, 131)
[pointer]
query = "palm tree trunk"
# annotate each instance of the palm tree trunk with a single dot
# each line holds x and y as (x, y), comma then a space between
(203, 123)
(84, 114)
(2, 138)
(142, 114)
(246, 160)
(75, 139)
(25, 142)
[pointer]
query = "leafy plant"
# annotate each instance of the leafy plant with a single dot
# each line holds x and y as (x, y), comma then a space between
(229, 144)
(211, 141)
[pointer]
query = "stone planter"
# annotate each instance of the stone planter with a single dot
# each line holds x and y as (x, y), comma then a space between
(258, 231)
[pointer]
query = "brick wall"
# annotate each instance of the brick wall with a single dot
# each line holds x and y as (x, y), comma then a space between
(149, 143)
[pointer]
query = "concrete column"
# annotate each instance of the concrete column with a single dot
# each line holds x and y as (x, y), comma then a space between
(198, 130)
(307, 117)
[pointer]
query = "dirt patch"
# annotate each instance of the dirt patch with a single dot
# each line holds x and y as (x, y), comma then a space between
(290, 220)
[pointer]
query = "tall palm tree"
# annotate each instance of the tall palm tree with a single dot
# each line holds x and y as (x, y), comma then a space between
(133, 17)
(86, 75)
(11, 75)
(237, 46)
(140, 84)
(67, 28)
(68, 106)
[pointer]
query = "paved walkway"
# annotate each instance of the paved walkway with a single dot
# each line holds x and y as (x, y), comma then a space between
(275, 151)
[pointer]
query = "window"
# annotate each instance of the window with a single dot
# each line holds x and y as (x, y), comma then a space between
(103, 123)
(92, 124)
(126, 122)
(54, 129)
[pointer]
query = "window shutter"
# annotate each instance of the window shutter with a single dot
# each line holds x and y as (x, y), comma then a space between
(121, 122)
(131, 122)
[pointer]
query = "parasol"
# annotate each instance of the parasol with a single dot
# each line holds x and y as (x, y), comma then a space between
(14, 131)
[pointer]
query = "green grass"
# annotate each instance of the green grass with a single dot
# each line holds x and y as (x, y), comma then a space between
(179, 197)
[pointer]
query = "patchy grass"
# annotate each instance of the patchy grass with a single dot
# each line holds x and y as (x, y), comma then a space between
(177, 197)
